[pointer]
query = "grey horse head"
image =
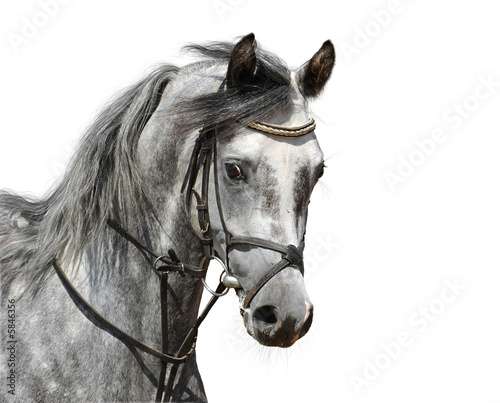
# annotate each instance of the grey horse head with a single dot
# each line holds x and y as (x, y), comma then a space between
(265, 183)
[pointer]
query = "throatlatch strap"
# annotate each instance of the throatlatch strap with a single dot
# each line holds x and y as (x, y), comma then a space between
(168, 265)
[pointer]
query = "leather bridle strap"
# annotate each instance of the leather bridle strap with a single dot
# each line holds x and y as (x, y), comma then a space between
(185, 345)
(201, 157)
(98, 320)
(164, 332)
(291, 256)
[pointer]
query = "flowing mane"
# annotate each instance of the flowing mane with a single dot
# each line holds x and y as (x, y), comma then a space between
(102, 180)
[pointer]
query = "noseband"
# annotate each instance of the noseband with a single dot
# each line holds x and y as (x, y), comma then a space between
(204, 152)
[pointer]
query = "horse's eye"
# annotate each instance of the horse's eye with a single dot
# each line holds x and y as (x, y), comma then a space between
(322, 171)
(234, 171)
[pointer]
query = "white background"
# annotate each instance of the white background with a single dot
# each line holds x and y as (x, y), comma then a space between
(376, 255)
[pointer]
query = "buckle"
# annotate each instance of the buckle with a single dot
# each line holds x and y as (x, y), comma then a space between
(168, 267)
(293, 255)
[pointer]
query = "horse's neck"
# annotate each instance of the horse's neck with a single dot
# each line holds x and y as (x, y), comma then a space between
(126, 291)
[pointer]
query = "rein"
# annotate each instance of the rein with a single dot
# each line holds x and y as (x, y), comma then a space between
(204, 152)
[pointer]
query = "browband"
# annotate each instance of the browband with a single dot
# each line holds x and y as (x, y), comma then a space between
(283, 130)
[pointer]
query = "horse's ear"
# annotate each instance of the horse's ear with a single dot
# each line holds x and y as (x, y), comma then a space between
(314, 74)
(243, 62)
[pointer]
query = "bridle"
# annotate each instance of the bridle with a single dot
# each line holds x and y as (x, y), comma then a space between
(203, 155)
(204, 152)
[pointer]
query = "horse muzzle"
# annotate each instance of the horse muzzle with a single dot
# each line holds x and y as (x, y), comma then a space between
(274, 326)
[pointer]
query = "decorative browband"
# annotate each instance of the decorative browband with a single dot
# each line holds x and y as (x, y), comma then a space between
(283, 130)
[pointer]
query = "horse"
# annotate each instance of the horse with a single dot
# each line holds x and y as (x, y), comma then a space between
(215, 160)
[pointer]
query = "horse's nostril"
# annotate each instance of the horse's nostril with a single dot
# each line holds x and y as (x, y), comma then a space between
(266, 314)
